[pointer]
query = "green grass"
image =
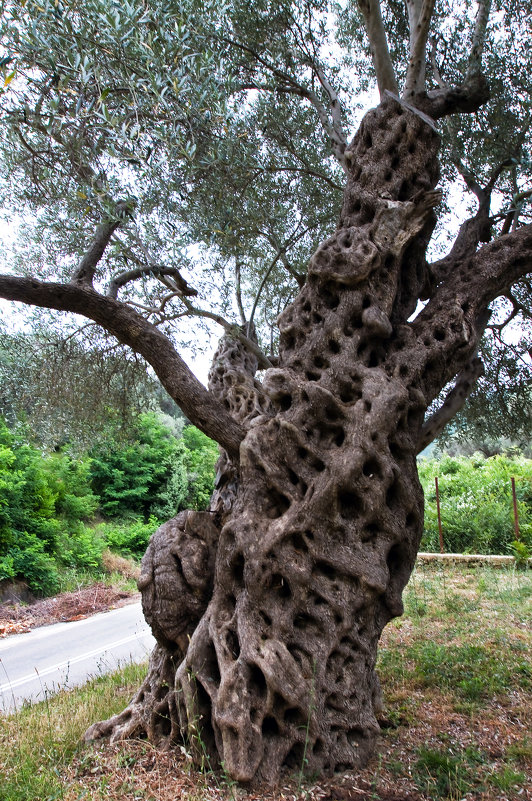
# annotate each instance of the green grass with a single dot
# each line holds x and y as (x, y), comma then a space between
(463, 645)
(39, 742)
(456, 676)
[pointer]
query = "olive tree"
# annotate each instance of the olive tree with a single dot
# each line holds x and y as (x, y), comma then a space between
(135, 132)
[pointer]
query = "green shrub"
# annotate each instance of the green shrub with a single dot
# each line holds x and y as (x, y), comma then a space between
(71, 481)
(129, 538)
(128, 475)
(7, 570)
(28, 561)
(476, 502)
(80, 546)
(200, 458)
(27, 498)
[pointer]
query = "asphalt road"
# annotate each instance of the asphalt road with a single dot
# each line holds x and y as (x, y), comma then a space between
(39, 663)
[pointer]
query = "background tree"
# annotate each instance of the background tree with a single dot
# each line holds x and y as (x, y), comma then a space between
(268, 608)
(69, 387)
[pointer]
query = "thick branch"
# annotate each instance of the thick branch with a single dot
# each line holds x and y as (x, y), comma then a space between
(371, 11)
(454, 319)
(465, 98)
(121, 279)
(479, 38)
(132, 329)
(471, 233)
(419, 17)
(85, 270)
(465, 383)
(499, 264)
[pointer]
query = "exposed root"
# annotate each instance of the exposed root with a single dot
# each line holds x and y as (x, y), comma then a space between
(152, 712)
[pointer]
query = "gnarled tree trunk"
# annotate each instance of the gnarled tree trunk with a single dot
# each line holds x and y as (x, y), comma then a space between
(269, 662)
(177, 570)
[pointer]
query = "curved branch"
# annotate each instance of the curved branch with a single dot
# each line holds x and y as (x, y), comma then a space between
(465, 98)
(121, 279)
(130, 328)
(84, 273)
(465, 383)
(457, 314)
(472, 231)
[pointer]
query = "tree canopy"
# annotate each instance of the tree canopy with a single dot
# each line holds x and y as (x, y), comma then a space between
(186, 158)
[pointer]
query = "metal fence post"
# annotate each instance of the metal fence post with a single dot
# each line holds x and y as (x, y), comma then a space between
(516, 516)
(439, 513)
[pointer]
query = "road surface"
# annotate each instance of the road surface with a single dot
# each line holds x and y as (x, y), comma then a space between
(36, 664)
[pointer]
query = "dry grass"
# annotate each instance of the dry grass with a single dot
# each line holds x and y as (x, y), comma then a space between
(114, 563)
(456, 676)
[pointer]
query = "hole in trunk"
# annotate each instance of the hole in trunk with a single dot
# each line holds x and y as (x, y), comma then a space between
(325, 569)
(164, 725)
(270, 726)
(285, 402)
(294, 716)
(280, 585)
(256, 682)
(393, 496)
(232, 644)
(355, 736)
(295, 757)
(298, 543)
(370, 532)
(349, 504)
(237, 568)
(276, 504)
(372, 468)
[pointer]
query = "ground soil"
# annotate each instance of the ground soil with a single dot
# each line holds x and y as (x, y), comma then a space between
(16, 618)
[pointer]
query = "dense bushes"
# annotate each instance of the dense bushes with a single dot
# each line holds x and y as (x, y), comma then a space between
(58, 513)
(48, 502)
(152, 472)
(128, 475)
(42, 501)
(476, 503)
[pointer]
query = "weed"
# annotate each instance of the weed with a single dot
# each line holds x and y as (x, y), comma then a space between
(521, 553)
(473, 671)
(445, 775)
(506, 779)
(521, 751)
(33, 756)
(311, 708)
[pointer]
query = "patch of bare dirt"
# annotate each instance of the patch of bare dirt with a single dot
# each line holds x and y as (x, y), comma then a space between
(16, 618)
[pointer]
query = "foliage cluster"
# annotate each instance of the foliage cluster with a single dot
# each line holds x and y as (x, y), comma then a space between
(476, 503)
(49, 502)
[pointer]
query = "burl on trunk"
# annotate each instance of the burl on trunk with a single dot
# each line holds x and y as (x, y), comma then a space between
(268, 608)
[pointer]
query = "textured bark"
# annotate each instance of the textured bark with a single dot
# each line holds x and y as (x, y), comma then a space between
(268, 609)
(325, 527)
